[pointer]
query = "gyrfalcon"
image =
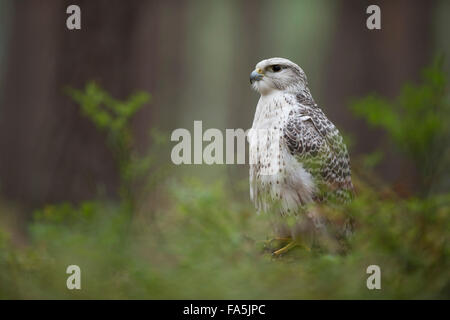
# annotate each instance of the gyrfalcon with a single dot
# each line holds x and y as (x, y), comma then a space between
(297, 156)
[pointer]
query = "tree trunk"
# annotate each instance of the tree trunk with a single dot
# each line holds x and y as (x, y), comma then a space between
(49, 151)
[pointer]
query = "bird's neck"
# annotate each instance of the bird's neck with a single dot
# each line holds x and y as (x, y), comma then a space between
(273, 108)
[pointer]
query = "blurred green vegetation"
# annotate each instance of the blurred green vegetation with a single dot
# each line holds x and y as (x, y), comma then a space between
(113, 117)
(185, 238)
(417, 121)
(203, 246)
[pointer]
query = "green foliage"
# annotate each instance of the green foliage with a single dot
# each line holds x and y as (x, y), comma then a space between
(205, 244)
(372, 159)
(113, 117)
(417, 121)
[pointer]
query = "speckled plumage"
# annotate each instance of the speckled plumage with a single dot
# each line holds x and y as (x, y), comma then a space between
(297, 155)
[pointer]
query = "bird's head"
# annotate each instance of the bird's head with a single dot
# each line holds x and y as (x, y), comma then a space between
(278, 74)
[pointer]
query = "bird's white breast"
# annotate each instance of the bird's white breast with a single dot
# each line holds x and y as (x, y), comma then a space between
(277, 180)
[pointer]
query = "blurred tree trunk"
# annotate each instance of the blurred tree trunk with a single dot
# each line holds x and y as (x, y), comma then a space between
(49, 151)
(247, 41)
(364, 61)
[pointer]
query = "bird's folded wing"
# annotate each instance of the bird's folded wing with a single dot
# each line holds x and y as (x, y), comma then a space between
(317, 143)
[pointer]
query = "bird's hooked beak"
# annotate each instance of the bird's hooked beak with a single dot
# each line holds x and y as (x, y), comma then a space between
(256, 75)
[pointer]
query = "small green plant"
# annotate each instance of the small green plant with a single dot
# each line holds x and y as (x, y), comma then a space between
(113, 117)
(417, 121)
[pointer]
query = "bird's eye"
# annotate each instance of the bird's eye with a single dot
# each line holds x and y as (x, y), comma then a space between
(276, 68)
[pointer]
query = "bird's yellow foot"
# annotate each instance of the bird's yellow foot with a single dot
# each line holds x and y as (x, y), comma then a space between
(268, 245)
(289, 246)
(285, 249)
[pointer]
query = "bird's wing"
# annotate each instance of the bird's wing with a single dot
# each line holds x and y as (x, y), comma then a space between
(318, 145)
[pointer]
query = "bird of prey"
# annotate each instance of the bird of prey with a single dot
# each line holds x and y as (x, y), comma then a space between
(297, 156)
